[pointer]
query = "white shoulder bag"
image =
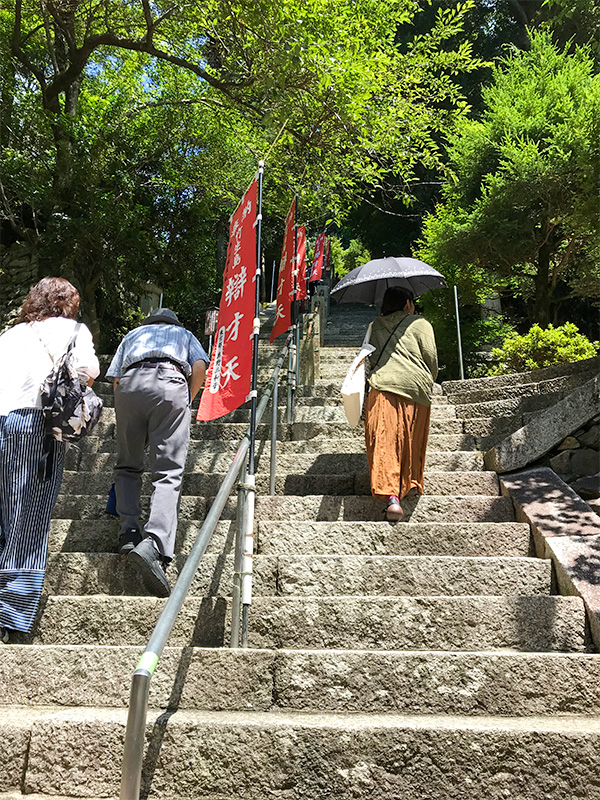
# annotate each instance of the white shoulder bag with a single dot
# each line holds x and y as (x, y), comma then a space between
(353, 387)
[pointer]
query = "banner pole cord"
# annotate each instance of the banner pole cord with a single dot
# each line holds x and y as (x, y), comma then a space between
(275, 140)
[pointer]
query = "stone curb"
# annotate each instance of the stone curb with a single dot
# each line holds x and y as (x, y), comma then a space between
(546, 429)
(565, 529)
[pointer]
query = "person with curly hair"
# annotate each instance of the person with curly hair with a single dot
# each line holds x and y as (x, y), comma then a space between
(28, 352)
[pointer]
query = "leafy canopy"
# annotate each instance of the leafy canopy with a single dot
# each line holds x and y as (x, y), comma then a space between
(520, 214)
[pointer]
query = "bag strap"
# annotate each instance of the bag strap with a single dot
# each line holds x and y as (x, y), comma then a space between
(45, 463)
(388, 340)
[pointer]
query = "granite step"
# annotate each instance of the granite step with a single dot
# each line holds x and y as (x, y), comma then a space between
(357, 483)
(304, 413)
(494, 393)
(222, 431)
(428, 508)
(292, 754)
(528, 623)
(224, 679)
(347, 442)
(343, 538)
(318, 575)
(315, 463)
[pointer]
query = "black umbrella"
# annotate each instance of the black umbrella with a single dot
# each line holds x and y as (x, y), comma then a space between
(367, 284)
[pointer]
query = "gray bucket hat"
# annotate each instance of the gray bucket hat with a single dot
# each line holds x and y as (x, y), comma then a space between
(162, 315)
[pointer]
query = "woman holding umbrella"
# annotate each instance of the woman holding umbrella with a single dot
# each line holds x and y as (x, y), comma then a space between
(403, 368)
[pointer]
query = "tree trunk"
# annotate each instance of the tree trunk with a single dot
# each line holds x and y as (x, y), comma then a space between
(543, 300)
(89, 310)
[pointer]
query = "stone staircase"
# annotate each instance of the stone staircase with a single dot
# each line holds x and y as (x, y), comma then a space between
(428, 659)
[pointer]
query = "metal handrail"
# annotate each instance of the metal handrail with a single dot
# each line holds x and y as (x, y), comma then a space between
(133, 751)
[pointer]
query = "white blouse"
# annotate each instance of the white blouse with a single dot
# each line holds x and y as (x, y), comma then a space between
(26, 358)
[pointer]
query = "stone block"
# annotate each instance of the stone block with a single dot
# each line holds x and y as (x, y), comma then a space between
(566, 530)
(549, 428)
(585, 462)
(410, 623)
(591, 437)
(570, 443)
(587, 487)
(562, 463)
(381, 538)
(253, 756)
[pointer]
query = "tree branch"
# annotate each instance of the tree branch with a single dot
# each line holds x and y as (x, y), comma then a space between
(49, 41)
(17, 50)
(81, 56)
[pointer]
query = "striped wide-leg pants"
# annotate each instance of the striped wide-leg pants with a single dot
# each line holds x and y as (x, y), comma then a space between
(26, 505)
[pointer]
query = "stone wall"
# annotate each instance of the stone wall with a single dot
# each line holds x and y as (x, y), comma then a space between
(577, 461)
(18, 273)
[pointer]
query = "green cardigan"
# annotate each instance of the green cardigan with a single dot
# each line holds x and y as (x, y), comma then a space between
(409, 365)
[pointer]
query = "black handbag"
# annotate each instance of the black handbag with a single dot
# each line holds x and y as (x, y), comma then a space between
(71, 409)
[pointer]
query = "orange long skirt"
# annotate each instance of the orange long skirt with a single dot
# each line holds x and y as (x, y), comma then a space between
(396, 432)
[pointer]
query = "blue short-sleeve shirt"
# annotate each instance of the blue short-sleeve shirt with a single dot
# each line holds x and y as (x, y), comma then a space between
(158, 341)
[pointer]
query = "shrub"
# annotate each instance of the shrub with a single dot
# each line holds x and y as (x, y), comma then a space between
(542, 348)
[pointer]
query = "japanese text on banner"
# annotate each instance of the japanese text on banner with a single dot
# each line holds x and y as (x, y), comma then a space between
(317, 264)
(230, 371)
(301, 260)
(285, 284)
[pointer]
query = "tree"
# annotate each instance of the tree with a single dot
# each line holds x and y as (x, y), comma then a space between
(323, 82)
(521, 214)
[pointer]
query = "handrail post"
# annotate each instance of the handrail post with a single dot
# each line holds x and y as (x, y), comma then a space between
(248, 554)
(292, 378)
(236, 602)
(135, 736)
(275, 410)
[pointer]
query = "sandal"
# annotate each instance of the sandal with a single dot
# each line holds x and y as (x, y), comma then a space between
(393, 510)
(4, 635)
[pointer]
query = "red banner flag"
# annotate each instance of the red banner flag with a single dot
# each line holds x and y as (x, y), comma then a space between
(317, 264)
(230, 372)
(301, 291)
(327, 263)
(285, 284)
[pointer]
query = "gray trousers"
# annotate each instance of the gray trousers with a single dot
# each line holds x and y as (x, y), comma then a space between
(152, 410)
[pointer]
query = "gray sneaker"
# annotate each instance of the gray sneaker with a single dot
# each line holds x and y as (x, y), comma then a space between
(149, 563)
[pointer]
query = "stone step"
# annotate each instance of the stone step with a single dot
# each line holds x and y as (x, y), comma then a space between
(317, 464)
(325, 387)
(507, 408)
(223, 679)
(308, 413)
(529, 623)
(304, 431)
(349, 538)
(255, 755)
(412, 538)
(347, 442)
(428, 508)
(494, 393)
(108, 573)
(197, 483)
(589, 366)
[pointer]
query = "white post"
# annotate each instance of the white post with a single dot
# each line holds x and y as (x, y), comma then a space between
(460, 355)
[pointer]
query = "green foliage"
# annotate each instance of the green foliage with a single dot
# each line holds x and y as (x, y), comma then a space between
(542, 348)
(520, 215)
(478, 334)
(345, 260)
